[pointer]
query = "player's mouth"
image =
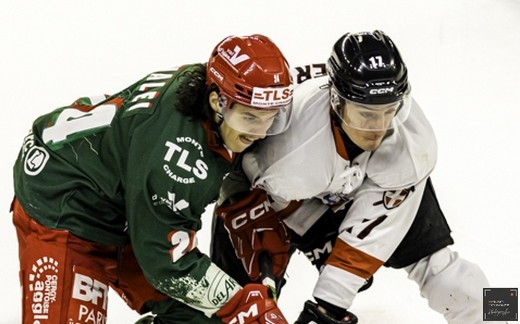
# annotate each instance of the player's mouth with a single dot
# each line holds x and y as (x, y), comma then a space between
(374, 136)
(247, 140)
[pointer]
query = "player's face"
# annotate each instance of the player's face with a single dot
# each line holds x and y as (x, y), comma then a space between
(367, 125)
(245, 125)
(366, 140)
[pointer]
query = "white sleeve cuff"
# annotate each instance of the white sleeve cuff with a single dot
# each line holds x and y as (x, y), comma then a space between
(337, 286)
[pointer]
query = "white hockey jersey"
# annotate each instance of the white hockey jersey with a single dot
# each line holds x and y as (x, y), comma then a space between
(309, 162)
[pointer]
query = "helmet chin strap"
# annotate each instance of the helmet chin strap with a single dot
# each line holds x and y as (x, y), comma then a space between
(215, 127)
(220, 118)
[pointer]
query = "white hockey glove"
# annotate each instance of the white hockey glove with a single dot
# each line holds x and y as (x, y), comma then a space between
(314, 314)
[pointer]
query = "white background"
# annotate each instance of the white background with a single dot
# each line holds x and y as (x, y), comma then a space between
(464, 64)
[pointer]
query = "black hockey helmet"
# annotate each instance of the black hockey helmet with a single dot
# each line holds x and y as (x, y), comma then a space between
(367, 68)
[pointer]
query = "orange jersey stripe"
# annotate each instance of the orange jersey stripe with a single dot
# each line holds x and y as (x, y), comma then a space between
(355, 261)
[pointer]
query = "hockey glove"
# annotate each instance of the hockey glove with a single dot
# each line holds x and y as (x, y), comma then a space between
(311, 313)
(255, 228)
(251, 304)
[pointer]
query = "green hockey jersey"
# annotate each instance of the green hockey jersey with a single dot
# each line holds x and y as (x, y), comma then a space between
(132, 167)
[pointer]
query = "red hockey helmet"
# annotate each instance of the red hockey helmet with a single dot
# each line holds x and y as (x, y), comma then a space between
(252, 71)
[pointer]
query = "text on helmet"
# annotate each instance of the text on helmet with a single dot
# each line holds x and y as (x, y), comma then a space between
(232, 55)
(217, 74)
(381, 91)
(271, 97)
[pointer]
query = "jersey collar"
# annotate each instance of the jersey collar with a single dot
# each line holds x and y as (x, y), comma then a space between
(215, 143)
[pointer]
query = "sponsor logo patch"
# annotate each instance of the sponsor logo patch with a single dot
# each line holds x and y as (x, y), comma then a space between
(394, 198)
(43, 284)
(184, 160)
(271, 97)
(35, 160)
(89, 298)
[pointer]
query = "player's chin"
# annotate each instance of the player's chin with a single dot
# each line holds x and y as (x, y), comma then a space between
(371, 144)
(242, 142)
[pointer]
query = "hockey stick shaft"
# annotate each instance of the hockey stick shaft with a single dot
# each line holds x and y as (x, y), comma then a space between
(267, 276)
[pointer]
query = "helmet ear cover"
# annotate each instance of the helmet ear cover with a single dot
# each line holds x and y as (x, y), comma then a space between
(222, 102)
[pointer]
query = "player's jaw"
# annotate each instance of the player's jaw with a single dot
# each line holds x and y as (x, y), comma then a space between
(366, 140)
(237, 141)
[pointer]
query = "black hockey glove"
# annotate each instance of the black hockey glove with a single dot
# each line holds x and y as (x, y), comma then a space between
(311, 314)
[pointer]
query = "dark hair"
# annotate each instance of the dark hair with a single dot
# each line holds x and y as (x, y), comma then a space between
(192, 93)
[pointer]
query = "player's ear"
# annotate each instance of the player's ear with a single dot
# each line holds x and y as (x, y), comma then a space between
(214, 101)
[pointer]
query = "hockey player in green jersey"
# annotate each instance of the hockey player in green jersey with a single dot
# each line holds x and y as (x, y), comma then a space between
(110, 192)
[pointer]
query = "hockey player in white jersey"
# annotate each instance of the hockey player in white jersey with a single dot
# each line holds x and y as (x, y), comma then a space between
(349, 185)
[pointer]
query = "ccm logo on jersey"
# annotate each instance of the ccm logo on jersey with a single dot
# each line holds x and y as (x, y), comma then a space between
(316, 254)
(271, 97)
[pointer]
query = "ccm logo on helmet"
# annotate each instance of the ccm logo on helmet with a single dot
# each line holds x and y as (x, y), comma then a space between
(216, 74)
(381, 91)
(270, 97)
